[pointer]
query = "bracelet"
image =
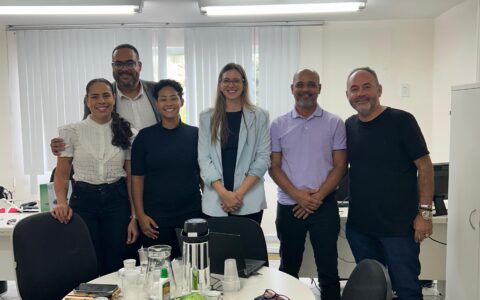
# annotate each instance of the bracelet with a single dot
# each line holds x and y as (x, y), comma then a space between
(427, 207)
(133, 217)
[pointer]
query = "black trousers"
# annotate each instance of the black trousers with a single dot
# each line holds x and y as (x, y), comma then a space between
(323, 226)
(106, 211)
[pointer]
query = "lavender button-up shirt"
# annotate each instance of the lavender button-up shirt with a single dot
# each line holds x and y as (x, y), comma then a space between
(306, 145)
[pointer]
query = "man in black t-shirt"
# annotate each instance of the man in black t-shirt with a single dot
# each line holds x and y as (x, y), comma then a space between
(391, 184)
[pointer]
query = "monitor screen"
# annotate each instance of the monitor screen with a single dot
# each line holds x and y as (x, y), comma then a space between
(440, 174)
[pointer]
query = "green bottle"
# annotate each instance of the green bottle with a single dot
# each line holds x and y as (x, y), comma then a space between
(164, 284)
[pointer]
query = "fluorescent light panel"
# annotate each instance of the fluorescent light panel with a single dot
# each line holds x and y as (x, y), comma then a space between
(68, 10)
(69, 7)
(272, 9)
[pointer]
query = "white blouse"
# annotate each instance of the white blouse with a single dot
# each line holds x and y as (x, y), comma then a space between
(95, 159)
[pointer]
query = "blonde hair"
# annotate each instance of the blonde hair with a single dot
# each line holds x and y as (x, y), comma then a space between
(219, 116)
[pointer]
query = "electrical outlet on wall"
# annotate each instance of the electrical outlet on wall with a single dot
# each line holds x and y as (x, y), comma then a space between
(405, 90)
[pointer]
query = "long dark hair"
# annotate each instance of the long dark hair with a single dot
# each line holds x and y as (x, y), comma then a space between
(121, 128)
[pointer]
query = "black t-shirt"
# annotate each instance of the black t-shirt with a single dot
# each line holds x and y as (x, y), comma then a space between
(168, 160)
(383, 176)
(230, 148)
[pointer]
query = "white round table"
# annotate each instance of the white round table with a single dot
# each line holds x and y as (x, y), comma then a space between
(268, 278)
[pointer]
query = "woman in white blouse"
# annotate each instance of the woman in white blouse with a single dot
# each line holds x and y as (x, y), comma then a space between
(99, 150)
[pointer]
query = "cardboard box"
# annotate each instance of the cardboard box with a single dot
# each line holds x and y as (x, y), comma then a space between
(48, 199)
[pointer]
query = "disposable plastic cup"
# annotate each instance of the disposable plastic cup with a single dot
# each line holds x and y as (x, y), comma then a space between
(230, 282)
(230, 271)
(231, 286)
(177, 268)
(129, 263)
(143, 257)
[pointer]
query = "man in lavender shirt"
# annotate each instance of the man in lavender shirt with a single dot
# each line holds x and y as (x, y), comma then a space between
(308, 161)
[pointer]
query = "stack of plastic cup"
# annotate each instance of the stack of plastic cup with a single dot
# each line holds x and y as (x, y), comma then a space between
(143, 256)
(230, 282)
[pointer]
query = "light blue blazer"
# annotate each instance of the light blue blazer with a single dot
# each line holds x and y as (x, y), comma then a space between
(253, 158)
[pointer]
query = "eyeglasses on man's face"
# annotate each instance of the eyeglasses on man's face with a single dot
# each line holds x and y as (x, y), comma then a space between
(129, 64)
(271, 294)
(228, 81)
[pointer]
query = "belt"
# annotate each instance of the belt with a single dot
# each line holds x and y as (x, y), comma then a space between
(98, 187)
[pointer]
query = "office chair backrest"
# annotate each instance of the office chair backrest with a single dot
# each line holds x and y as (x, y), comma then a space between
(368, 281)
(52, 258)
(250, 232)
(52, 176)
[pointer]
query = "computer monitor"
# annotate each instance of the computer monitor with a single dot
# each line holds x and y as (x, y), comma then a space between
(440, 192)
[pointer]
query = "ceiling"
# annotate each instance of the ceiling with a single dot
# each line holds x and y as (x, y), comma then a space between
(187, 11)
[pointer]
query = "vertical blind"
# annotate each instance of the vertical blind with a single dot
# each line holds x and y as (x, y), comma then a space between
(53, 68)
(207, 50)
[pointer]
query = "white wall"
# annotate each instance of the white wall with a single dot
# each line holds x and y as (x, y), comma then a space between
(455, 62)
(399, 51)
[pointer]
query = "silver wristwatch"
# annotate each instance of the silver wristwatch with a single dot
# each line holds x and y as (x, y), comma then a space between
(426, 214)
(425, 211)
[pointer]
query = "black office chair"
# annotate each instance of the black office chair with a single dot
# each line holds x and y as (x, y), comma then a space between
(3, 287)
(368, 281)
(250, 232)
(52, 258)
(52, 176)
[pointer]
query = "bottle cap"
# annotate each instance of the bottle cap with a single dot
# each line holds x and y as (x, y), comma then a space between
(164, 273)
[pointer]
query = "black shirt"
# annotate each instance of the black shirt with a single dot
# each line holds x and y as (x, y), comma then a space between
(168, 160)
(230, 147)
(383, 176)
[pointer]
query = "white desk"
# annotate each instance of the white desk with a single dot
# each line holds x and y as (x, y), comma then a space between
(252, 287)
(7, 268)
(432, 255)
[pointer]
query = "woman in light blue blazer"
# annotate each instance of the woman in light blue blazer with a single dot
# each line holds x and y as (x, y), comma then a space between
(234, 150)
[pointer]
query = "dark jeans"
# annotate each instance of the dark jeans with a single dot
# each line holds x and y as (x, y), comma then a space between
(106, 211)
(398, 254)
(323, 226)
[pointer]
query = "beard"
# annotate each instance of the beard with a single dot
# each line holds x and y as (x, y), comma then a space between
(367, 108)
(309, 102)
(129, 84)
